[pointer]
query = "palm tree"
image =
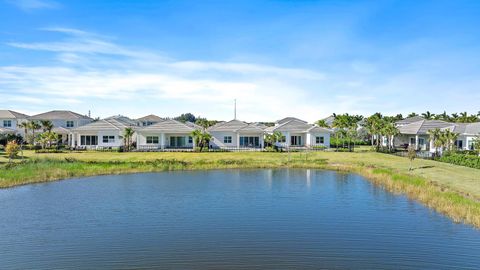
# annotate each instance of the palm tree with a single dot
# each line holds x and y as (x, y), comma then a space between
(427, 115)
(390, 131)
(454, 117)
(322, 123)
(127, 135)
(373, 124)
(435, 135)
(46, 125)
(33, 125)
(25, 127)
(196, 134)
(412, 114)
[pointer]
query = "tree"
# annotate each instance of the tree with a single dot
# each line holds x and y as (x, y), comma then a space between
(127, 136)
(47, 138)
(25, 127)
(476, 144)
(435, 137)
(201, 139)
(412, 114)
(412, 154)
(33, 125)
(46, 125)
(186, 117)
(374, 124)
(322, 123)
(389, 130)
(205, 123)
(271, 139)
(427, 115)
(12, 149)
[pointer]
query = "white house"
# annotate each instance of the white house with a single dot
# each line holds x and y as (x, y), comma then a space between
(148, 120)
(9, 121)
(415, 131)
(101, 134)
(298, 133)
(166, 134)
(236, 134)
(63, 122)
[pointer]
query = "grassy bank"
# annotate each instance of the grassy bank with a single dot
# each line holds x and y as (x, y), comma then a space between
(449, 189)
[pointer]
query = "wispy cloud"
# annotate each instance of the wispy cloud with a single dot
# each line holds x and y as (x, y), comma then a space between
(28, 5)
(86, 70)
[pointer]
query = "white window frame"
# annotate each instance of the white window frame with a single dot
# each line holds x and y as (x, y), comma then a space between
(110, 139)
(227, 139)
(320, 139)
(152, 139)
(68, 124)
(7, 121)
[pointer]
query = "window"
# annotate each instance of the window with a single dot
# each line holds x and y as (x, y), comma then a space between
(227, 139)
(7, 123)
(412, 140)
(70, 124)
(88, 140)
(296, 140)
(319, 139)
(249, 141)
(152, 139)
(190, 139)
(459, 144)
(108, 139)
(283, 139)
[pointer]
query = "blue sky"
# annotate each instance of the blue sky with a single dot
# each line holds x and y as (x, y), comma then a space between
(277, 58)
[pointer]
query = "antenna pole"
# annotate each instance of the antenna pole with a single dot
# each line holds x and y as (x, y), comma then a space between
(235, 109)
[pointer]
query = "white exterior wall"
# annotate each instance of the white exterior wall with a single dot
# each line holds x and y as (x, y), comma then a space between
(76, 123)
(218, 139)
(163, 139)
(311, 139)
(15, 123)
(118, 138)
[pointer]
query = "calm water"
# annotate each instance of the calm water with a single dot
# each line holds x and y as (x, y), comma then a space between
(270, 219)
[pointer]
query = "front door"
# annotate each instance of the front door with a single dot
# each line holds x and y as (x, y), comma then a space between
(177, 141)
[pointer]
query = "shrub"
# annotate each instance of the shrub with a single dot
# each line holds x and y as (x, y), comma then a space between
(12, 149)
(466, 160)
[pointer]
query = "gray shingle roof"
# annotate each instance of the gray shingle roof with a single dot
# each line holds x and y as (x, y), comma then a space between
(236, 126)
(171, 126)
(8, 114)
(409, 120)
(294, 126)
(288, 119)
(151, 118)
(473, 129)
(59, 115)
(423, 126)
(110, 123)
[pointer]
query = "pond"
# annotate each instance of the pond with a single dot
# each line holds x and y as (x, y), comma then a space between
(231, 219)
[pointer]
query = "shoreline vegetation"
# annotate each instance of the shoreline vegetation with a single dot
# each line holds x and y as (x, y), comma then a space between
(449, 189)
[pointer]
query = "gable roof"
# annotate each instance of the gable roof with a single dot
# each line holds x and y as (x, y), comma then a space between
(288, 119)
(59, 115)
(151, 118)
(110, 123)
(423, 126)
(8, 114)
(472, 129)
(171, 126)
(236, 126)
(409, 120)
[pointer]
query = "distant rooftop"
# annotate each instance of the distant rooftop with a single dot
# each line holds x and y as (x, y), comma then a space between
(8, 114)
(57, 114)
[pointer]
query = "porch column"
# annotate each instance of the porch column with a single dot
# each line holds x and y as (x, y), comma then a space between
(162, 140)
(138, 141)
(416, 142)
(287, 139)
(238, 140)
